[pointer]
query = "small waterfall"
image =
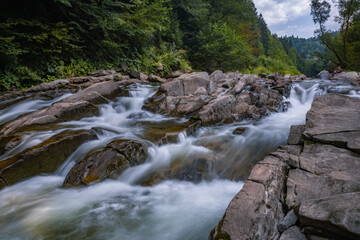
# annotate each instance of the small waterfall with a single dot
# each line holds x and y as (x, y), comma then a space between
(171, 209)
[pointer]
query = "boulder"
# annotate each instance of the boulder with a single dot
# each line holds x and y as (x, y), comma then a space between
(217, 75)
(102, 72)
(349, 77)
(274, 76)
(296, 135)
(43, 158)
(239, 87)
(240, 130)
(337, 215)
(324, 75)
(135, 74)
(112, 160)
(73, 107)
(293, 233)
(255, 211)
(58, 84)
(157, 79)
(193, 81)
(334, 119)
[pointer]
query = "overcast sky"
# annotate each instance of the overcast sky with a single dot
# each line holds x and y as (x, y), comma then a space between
(291, 17)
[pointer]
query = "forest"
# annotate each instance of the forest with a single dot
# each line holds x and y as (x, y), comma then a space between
(45, 40)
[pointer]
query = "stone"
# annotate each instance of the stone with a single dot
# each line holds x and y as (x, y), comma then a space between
(289, 220)
(295, 136)
(338, 215)
(176, 74)
(217, 75)
(135, 74)
(239, 87)
(255, 211)
(73, 107)
(293, 233)
(153, 78)
(123, 67)
(193, 81)
(324, 75)
(349, 77)
(102, 72)
(112, 160)
(334, 119)
(217, 110)
(239, 130)
(274, 76)
(58, 84)
(45, 157)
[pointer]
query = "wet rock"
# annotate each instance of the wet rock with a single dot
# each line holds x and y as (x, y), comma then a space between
(73, 107)
(295, 136)
(334, 119)
(239, 130)
(45, 157)
(217, 110)
(102, 72)
(339, 215)
(239, 87)
(114, 159)
(293, 233)
(255, 211)
(349, 77)
(324, 75)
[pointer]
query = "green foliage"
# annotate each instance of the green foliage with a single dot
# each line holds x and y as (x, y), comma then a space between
(220, 47)
(269, 65)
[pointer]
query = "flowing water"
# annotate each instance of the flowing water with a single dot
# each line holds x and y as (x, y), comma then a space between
(39, 208)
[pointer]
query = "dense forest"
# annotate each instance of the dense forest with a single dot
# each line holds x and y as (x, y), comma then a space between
(43, 40)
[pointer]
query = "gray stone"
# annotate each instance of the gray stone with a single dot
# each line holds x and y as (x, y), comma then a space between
(58, 84)
(217, 110)
(112, 160)
(102, 72)
(135, 74)
(239, 87)
(289, 220)
(217, 75)
(350, 77)
(337, 214)
(295, 136)
(324, 75)
(334, 119)
(293, 233)
(239, 130)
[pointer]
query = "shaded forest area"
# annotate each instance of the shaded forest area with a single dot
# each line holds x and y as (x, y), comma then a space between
(43, 40)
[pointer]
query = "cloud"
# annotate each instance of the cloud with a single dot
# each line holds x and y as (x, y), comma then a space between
(275, 11)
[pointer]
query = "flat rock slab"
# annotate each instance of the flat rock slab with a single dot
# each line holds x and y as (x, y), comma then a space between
(43, 158)
(339, 214)
(334, 119)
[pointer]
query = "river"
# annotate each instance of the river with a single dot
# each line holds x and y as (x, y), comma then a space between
(39, 208)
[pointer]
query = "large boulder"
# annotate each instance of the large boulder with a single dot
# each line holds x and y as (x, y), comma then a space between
(112, 160)
(324, 75)
(350, 77)
(73, 107)
(45, 157)
(334, 119)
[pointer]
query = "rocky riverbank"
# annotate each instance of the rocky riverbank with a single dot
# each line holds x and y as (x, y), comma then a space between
(316, 176)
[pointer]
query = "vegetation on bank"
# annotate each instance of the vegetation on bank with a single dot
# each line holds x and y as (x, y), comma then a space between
(45, 40)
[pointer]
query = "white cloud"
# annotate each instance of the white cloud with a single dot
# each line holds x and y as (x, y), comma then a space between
(275, 12)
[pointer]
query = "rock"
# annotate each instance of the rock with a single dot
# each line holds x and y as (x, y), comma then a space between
(334, 119)
(45, 157)
(102, 72)
(289, 220)
(255, 211)
(217, 75)
(172, 88)
(200, 91)
(324, 75)
(193, 81)
(250, 78)
(123, 68)
(135, 74)
(58, 84)
(153, 78)
(287, 76)
(262, 75)
(239, 130)
(217, 110)
(73, 107)
(338, 215)
(337, 70)
(325, 170)
(114, 159)
(176, 74)
(274, 76)
(350, 77)
(239, 87)
(293, 233)
(295, 136)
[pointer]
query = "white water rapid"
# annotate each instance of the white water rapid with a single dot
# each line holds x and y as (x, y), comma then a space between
(39, 208)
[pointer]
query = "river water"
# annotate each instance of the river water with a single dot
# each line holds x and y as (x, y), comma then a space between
(39, 208)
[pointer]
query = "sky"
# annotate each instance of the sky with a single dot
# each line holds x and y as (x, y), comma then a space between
(291, 17)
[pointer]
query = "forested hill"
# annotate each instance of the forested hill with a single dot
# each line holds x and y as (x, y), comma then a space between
(42, 40)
